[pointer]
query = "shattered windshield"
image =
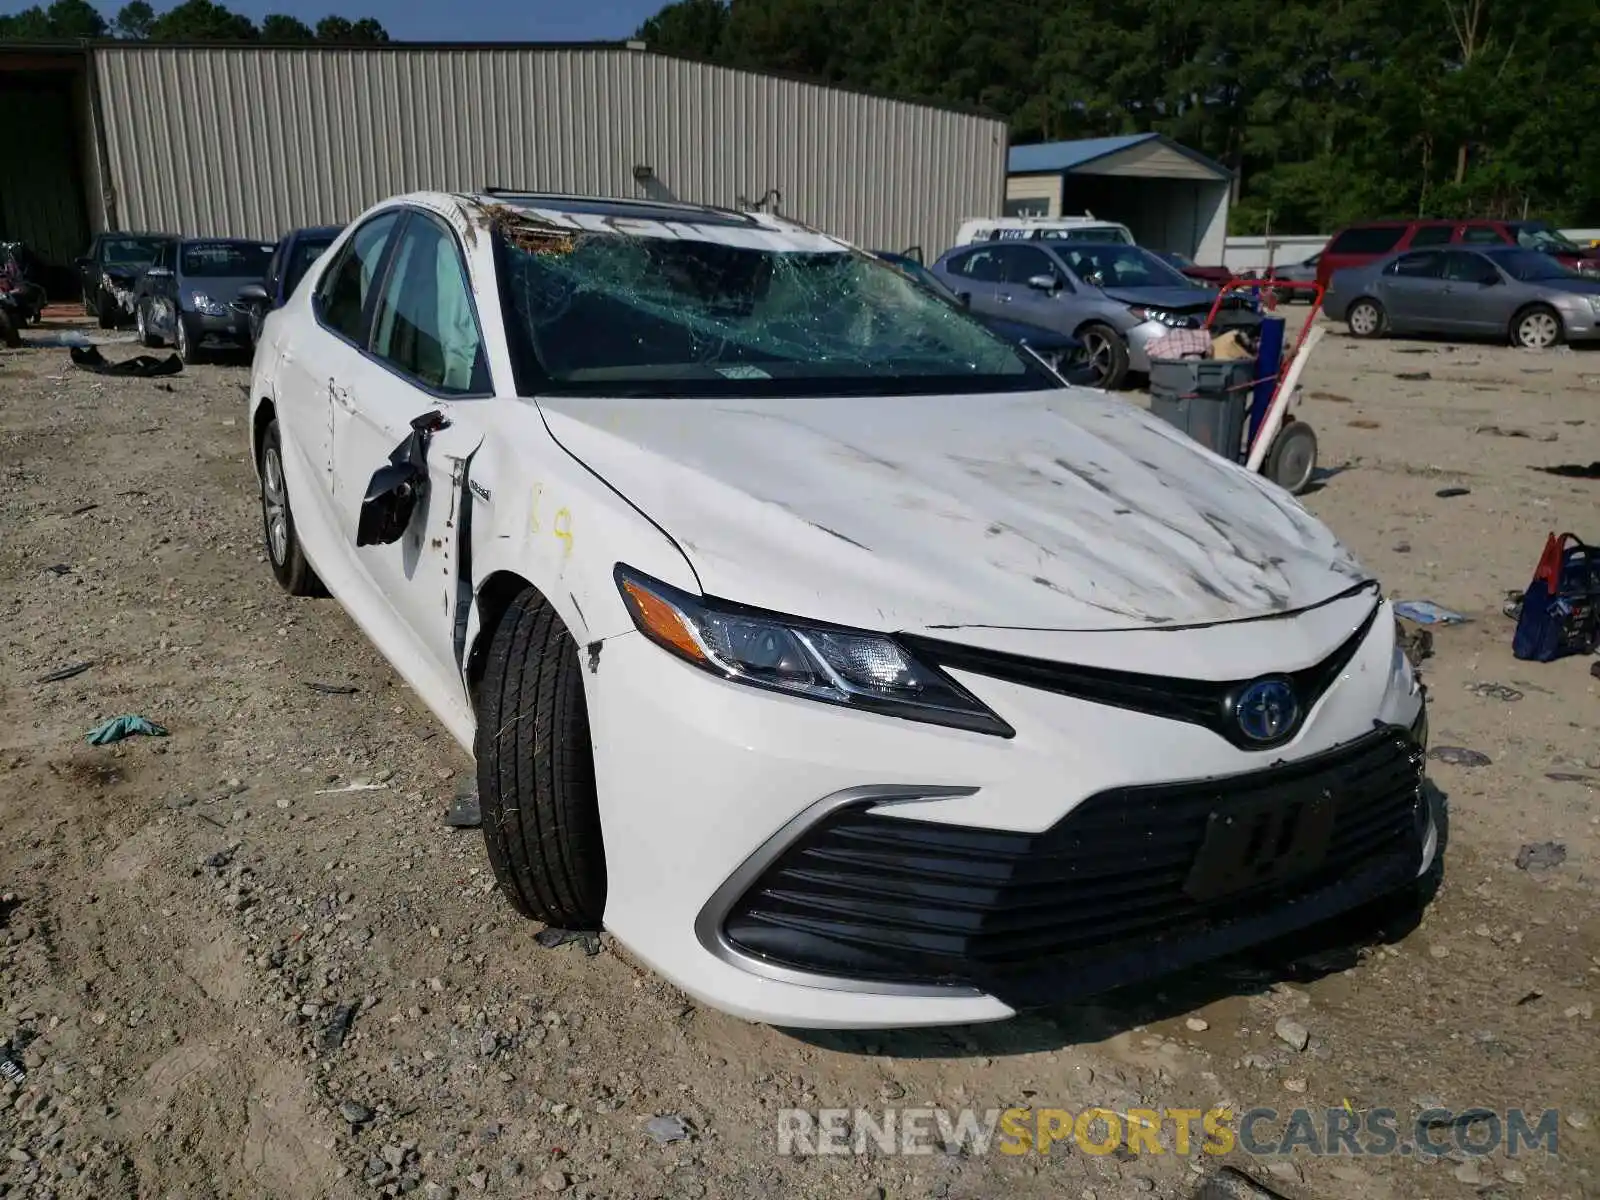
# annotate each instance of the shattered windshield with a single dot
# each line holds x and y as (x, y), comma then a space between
(225, 260)
(1535, 235)
(1121, 267)
(129, 252)
(601, 304)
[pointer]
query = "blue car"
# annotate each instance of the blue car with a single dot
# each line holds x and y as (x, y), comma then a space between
(295, 253)
(1065, 354)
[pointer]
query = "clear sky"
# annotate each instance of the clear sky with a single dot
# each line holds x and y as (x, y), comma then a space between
(448, 20)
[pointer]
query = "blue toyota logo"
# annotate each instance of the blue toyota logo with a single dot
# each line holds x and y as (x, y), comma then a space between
(1267, 710)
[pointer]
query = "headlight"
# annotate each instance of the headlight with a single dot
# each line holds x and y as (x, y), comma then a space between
(205, 304)
(1173, 320)
(1594, 304)
(849, 667)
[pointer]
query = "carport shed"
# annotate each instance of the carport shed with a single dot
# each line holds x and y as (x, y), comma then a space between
(1170, 196)
(253, 140)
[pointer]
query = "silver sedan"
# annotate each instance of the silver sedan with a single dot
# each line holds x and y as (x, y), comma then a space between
(1492, 291)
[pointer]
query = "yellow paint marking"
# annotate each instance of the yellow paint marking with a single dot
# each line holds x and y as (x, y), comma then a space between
(562, 528)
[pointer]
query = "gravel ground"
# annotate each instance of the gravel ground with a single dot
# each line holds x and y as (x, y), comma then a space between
(250, 958)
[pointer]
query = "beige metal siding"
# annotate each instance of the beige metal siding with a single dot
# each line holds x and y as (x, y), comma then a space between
(217, 141)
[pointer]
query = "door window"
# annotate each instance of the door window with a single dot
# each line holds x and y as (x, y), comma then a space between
(1482, 235)
(341, 297)
(981, 266)
(1432, 235)
(1370, 239)
(1022, 263)
(1424, 264)
(1462, 266)
(425, 326)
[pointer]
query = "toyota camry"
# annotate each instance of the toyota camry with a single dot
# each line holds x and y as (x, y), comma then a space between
(844, 663)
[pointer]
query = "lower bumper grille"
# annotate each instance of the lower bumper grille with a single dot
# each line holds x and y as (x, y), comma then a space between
(1133, 882)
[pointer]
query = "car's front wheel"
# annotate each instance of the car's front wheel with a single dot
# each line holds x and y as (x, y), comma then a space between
(1106, 352)
(541, 820)
(1366, 318)
(289, 565)
(1537, 328)
(187, 350)
(141, 320)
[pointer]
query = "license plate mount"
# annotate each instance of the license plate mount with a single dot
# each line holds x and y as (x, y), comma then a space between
(1261, 844)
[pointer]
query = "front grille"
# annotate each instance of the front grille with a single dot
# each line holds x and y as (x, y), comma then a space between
(1125, 886)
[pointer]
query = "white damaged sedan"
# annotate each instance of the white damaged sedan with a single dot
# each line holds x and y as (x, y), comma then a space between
(844, 663)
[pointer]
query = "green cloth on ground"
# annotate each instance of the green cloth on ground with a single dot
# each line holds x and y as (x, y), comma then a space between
(118, 728)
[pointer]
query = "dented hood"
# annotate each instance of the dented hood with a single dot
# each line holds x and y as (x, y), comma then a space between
(1059, 510)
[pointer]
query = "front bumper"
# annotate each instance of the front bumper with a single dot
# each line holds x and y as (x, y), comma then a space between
(1139, 339)
(802, 865)
(1580, 323)
(228, 330)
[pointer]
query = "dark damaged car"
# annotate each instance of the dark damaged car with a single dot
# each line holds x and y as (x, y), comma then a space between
(187, 297)
(110, 270)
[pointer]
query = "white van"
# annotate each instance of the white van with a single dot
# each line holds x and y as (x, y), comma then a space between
(1071, 229)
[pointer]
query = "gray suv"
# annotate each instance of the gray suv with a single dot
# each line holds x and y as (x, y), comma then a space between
(1115, 299)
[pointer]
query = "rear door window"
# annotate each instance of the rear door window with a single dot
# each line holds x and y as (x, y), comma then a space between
(1463, 266)
(1432, 235)
(1423, 264)
(980, 266)
(343, 292)
(1369, 239)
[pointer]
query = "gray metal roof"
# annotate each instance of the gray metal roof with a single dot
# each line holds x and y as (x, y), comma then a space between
(1044, 157)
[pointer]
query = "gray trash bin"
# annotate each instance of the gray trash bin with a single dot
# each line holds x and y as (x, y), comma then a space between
(1207, 398)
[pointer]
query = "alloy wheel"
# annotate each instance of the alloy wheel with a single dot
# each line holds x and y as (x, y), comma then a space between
(275, 506)
(1099, 354)
(1364, 320)
(1538, 331)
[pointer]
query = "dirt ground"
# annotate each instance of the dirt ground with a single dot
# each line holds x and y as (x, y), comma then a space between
(188, 923)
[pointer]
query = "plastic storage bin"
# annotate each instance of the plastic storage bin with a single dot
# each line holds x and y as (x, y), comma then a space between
(1207, 398)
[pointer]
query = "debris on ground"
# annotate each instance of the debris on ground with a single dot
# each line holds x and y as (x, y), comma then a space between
(1230, 1183)
(65, 673)
(360, 785)
(665, 1130)
(331, 689)
(1541, 856)
(464, 811)
(334, 1032)
(1459, 756)
(1426, 612)
(1573, 470)
(1571, 777)
(1417, 644)
(551, 938)
(1447, 493)
(121, 727)
(1494, 691)
(1413, 376)
(142, 366)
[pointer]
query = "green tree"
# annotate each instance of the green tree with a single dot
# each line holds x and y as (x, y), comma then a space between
(202, 21)
(689, 28)
(275, 27)
(64, 19)
(134, 20)
(342, 29)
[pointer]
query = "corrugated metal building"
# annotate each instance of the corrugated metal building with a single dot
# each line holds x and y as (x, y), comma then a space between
(251, 140)
(1171, 197)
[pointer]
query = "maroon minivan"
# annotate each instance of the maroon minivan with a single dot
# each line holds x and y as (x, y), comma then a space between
(1357, 245)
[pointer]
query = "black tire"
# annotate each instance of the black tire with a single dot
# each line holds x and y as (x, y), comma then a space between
(284, 553)
(1366, 318)
(1292, 460)
(1537, 327)
(1107, 352)
(541, 820)
(105, 310)
(188, 350)
(146, 336)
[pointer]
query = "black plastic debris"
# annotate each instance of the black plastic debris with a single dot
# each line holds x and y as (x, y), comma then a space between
(338, 1027)
(1413, 376)
(1494, 691)
(552, 939)
(1541, 856)
(1459, 756)
(1573, 470)
(1446, 493)
(59, 569)
(1230, 1183)
(140, 366)
(80, 510)
(65, 673)
(331, 689)
(464, 812)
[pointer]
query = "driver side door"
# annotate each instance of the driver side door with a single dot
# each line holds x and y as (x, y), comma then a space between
(425, 355)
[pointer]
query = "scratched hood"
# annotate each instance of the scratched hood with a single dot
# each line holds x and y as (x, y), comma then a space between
(1061, 510)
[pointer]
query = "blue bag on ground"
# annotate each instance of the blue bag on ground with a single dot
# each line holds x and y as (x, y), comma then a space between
(1561, 609)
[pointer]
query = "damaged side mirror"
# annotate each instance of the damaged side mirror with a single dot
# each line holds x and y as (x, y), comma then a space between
(395, 490)
(390, 502)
